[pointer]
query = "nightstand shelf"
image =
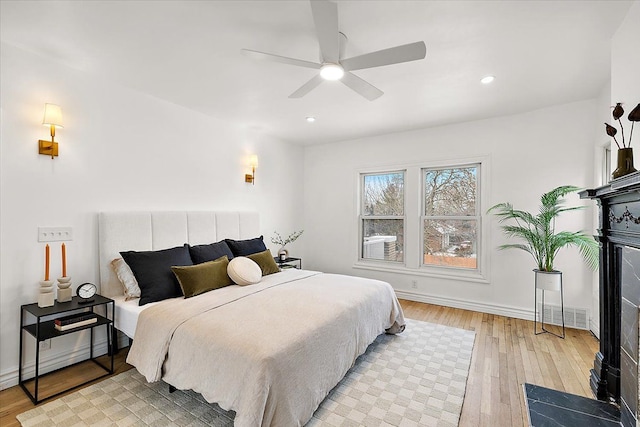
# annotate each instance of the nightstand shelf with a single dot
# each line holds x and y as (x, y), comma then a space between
(42, 330)
(48, 329)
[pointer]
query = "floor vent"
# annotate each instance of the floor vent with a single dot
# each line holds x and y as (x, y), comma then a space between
(573, 317)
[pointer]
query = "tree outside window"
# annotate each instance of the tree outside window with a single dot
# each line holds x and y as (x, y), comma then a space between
(451, 217)
(382, 218)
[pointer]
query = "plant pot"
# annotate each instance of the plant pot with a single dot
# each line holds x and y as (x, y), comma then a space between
(625, 163)
(548, 280)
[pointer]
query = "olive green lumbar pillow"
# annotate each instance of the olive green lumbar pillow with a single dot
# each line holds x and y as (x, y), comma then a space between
(266, 262)
(200, 278)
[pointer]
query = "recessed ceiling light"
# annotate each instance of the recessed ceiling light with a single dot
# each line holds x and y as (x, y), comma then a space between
(311, 119)
(486, 80)
(331, 71)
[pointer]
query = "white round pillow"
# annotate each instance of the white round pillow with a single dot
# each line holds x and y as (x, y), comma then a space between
(244, 271)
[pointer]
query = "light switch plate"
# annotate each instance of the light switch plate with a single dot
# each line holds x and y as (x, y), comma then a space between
(54, 234)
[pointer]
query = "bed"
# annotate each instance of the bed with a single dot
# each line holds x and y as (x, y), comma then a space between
(270, 351)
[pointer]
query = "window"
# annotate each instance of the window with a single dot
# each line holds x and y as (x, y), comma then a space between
(425, 219)
(451, 217)
(382, 216)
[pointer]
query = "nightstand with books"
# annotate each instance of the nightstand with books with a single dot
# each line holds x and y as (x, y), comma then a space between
(60, 319)
(288, 262)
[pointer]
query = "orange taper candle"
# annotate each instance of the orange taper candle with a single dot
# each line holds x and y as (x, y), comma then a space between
(46, 262)
(64, 260)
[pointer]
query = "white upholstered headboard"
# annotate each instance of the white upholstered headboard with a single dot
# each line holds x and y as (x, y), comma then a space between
(147, 231)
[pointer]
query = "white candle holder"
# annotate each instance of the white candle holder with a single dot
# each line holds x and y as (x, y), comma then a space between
(64, 289)
(45, 299)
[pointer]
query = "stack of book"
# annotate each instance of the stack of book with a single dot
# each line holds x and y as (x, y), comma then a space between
(75, 321)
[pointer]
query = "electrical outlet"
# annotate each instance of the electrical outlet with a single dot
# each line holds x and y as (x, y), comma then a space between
(45, 345)
(54, 234)
(414, 284)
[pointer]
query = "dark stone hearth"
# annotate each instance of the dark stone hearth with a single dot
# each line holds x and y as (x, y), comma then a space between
(552, 408)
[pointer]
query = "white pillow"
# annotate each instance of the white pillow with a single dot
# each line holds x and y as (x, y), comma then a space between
(244, 271)
(126, 277)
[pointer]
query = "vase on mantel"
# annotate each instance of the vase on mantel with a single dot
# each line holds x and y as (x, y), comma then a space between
(625, 163)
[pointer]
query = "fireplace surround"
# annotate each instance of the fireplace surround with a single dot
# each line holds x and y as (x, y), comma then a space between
(614, 376)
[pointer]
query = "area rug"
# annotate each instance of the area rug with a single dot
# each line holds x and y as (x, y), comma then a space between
(417, 378)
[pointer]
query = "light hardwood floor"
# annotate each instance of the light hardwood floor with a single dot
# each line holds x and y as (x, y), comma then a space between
(506, 354)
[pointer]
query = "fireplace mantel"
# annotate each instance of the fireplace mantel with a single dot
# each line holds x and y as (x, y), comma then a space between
(614, 376)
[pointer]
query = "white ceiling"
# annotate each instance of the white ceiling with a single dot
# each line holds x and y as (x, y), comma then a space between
(188, 52)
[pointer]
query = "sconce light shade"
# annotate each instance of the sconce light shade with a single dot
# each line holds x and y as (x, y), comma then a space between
(52, 115)
(253, 162)
(53, 119)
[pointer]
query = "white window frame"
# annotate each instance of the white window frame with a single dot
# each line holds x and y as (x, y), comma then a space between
(606, 164)
(477, 217)
(363, 217)
(412, 265)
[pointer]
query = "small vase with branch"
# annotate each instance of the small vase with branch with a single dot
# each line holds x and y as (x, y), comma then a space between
(277, 239)
(625, 152)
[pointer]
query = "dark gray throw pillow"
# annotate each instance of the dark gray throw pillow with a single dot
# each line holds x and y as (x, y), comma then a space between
(246, 247)
(210, 252)
(152, 270)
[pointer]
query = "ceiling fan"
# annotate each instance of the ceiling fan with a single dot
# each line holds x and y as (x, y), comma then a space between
(332, 66)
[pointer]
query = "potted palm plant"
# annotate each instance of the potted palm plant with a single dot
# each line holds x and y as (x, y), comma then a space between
(539, 238)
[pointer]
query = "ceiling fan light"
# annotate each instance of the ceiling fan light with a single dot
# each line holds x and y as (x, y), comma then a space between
(487, 79)
(331, 72)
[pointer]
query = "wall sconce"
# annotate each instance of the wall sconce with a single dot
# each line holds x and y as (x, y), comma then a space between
(253, 162)
(53, 118)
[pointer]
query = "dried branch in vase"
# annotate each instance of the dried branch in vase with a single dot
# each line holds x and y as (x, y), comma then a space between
(278, 240)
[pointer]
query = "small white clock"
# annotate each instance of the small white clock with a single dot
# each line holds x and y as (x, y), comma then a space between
(86, 292)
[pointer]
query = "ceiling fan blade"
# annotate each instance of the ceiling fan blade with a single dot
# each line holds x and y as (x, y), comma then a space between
(393, 55)
(363, 88)
(325, 17)
(277, 58)
(307, 87)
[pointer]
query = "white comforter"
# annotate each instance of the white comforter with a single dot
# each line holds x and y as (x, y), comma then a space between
(270, 351)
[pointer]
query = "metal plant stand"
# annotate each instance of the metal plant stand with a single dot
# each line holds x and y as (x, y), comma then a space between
(541, 313)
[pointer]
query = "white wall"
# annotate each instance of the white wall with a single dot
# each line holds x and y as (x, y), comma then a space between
(119, 150)
(625, 65)
(624, 87)
(529, 154)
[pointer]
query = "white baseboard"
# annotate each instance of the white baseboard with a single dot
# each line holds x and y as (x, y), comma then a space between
(594, 327)
(501, 310)
(51, 362)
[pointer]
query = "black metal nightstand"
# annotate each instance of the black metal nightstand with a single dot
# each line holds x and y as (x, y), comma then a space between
(45, 329)
(289, 262)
